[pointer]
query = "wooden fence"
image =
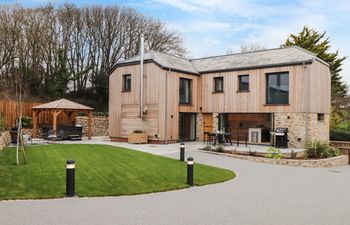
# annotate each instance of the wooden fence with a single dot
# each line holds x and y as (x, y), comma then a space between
(10, 108)
(344, 147)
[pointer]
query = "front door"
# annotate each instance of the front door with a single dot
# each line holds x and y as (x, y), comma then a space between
(207, 122)
(187, 126)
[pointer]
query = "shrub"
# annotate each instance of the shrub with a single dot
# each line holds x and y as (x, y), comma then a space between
(137, 131)
(220, 148)
(274, 153)
(207, 148)
(321, 149)
(27, 122)
(340, 135)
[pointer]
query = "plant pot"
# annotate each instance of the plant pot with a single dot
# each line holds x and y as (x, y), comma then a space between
(138, 138)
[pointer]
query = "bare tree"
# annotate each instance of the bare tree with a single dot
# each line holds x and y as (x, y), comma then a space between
(56, 49)
(252, 47)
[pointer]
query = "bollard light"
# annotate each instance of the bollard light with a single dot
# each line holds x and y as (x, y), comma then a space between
(190, 165)
(70, 178)
(182, 151)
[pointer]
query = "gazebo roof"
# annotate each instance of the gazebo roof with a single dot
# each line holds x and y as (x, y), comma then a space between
(64, 104)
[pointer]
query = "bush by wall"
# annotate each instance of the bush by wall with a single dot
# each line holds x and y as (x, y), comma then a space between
(317, 149)
(340, 135)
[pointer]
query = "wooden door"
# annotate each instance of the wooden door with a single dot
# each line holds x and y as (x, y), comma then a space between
(207, 122)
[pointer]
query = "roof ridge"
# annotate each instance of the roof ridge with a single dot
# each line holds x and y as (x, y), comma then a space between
(241, 53)
(168, 54)
(304, 50)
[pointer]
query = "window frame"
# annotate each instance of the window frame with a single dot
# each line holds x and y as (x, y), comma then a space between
(189, 102)
(215, 79)
(239, 83)
(267, 102)
(125, 89)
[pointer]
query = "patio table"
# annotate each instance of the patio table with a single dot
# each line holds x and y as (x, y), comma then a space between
(222, 137)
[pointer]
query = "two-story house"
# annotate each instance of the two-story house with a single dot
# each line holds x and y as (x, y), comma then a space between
(183, 98)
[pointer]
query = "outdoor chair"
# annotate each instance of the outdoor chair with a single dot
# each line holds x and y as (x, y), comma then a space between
(52, 136)
(60, 136)
(207, 138)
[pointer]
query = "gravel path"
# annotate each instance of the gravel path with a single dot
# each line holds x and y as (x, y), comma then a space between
(261, 194)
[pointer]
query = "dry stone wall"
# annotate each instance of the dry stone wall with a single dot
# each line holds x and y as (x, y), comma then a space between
(5, 140)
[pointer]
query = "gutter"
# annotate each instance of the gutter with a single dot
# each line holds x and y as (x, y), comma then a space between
(306, 100)
(166, 107)
(141, 77)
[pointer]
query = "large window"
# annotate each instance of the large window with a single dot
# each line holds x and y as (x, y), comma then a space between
(185, 91)
(243, 83)
(127, 82)
(218, 84)
(277, 88)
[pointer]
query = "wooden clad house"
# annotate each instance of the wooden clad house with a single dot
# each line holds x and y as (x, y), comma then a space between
(184, 98)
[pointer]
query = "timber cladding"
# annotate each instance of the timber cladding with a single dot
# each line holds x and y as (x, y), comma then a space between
(311, 84)
(309, 91)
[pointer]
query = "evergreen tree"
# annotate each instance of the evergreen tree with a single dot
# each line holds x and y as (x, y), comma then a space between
(317, 43)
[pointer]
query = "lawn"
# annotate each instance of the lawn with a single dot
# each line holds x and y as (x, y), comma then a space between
(101, 170)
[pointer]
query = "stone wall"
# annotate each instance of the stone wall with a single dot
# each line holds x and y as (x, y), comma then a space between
(99, 125)
(330, 162)
(199, 126)
(5, 140)
(215, 121)
(295, 122)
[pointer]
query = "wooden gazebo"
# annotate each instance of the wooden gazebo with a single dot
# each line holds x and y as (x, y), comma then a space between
(57, 107)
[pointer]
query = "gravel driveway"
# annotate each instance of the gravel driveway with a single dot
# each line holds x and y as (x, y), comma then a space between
(261, 194)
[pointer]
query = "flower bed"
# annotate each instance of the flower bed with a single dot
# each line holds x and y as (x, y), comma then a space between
(334, 161)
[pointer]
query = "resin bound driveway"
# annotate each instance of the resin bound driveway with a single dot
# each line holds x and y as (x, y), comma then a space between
(261, 194)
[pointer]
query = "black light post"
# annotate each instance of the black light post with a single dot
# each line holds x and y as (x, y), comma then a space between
(70, 178)
(190, 165)
(182, 151)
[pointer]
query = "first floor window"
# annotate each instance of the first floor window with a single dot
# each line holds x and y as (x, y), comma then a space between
(243, 83)
(185, 91)
(218, 84)
(127, 82)
(277, 88)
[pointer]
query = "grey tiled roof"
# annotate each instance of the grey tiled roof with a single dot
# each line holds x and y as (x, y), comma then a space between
(263, 58)
(167, 61)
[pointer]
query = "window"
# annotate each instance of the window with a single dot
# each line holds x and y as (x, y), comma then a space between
(218, 84)
(185, 91)
(243, 83)
(277, 88)
(320, 117)
(127, 82)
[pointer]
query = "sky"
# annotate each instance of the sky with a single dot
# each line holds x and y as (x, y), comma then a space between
(214, 27)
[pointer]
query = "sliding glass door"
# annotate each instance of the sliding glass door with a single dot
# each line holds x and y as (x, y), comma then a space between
(187, 126)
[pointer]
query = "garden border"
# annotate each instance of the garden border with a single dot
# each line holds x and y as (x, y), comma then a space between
(330, 162)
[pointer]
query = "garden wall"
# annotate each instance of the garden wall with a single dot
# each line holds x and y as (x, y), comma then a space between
(334, 161)
(5, 140)
(99, 125)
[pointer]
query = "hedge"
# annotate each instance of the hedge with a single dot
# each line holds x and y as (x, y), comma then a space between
(340, 135)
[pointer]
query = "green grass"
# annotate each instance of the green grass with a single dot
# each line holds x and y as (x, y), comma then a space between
(101, 170)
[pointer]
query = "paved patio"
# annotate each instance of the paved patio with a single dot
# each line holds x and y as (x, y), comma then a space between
(261, 194)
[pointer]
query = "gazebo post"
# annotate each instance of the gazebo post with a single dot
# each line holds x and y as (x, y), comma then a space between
(34, 132)
(54, 121)
(90, 125)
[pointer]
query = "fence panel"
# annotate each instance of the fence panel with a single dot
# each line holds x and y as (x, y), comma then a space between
(9, 108)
